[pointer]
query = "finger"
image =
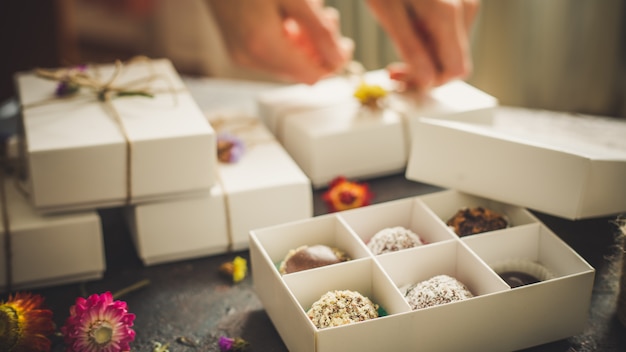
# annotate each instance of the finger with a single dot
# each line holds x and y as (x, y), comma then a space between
(393, 17)
(445, 25)
(470, 10)
(332, 19)
(318, 28)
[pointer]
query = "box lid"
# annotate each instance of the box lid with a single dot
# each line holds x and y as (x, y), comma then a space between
(571, 166)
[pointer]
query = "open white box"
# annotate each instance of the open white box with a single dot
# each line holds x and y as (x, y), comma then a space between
(569, 166)
(329, 134)
(77, 153)
(498, 318)
(265, 187)
(50, 250)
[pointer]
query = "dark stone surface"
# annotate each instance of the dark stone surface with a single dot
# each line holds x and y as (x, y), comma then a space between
(188, 304)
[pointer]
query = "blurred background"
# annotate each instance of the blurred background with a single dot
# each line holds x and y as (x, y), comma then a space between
(565, 55)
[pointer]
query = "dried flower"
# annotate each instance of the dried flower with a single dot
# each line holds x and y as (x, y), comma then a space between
(232, 344)
(98, 324)
(370, 95)
(24, 324)
(237, 269)
(229, 148)
(343, 194)
(68, 86)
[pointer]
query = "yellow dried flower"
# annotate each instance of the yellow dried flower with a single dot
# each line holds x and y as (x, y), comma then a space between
(370, 95)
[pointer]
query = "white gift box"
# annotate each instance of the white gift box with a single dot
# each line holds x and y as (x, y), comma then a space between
(265, 187)
(49, 250)
(509, 318)
(329, 134)
(455, 100)
(78, 154)
(564, 165)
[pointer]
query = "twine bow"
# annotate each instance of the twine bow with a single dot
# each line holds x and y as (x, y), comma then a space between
(73, 79)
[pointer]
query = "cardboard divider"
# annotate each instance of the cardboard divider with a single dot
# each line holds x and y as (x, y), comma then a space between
(446, 203)
(450, 258)
(409, 213)
(532, 242)
(327, 230)
(363, 276)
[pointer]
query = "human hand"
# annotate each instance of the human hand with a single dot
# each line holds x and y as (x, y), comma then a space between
(296, 40)
(431, 37)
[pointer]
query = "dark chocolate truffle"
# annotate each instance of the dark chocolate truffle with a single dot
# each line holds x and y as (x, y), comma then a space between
(470, 221)
(309, 257)
(518, 278)
(521, 272)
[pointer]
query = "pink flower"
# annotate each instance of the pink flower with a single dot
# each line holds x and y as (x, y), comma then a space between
(98, 324)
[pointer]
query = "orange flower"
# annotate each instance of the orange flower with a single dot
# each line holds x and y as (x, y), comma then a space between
(343, 195)
(24, 325)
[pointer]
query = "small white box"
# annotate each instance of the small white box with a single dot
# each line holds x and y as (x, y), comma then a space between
(265, 187)
(497, 318)
(49, 250)
(179, 229)
(564, 165)
(346, 140)
(78, 154)
(329, 134)
(455, 100)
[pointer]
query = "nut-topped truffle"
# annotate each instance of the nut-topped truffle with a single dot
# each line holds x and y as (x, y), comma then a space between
(341, 307)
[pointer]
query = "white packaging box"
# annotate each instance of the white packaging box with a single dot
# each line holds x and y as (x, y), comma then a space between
(265, 187)
(329, 134)
(564, 165)
(77, 152)
(497, 318)
(49, 250)
(455, 100)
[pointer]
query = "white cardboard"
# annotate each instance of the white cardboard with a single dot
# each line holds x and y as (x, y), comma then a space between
(549, 169)
(346, 140)
(179, 229)
(77, 152)
(265, 187)
(328, 133)
(509, 319)
(50, 250)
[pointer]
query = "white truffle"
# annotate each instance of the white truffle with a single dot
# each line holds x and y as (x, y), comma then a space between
(437, 290)
(393, 239)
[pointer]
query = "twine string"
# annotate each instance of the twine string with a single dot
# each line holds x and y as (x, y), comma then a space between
(237, 126)
(105, 91)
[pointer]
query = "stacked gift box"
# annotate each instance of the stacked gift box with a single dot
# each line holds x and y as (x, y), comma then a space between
(133, 136)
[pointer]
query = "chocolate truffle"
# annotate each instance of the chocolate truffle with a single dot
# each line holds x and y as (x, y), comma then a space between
(521, 272)
(470, 221)
(341, 307)
(309, 257)
(437, 290)
(393, 239)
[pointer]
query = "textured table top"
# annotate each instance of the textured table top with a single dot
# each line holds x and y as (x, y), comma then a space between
(189, 305)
